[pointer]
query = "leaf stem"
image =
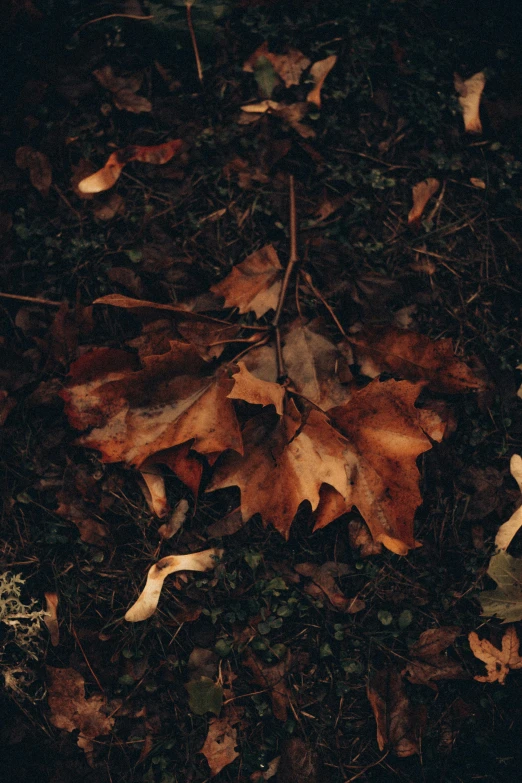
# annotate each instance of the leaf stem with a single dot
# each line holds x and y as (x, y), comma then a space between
(292, 261)
(194, 41)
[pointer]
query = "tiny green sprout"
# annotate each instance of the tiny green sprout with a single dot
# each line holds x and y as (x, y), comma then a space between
(384, 617)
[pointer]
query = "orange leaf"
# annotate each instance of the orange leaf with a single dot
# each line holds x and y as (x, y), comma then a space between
(255, 391)
(254, 284)
(319, 71)
(498, 662)
(288, 66)
(470, 92)
(106, 177)
(422, 192)
(414, 357)
(384, 439)
(220, 745)
(173, 399)
(70, 709)
(285, 462)
(399, 724)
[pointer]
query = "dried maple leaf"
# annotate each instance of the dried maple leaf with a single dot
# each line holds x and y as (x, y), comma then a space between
(70, 709)
(323, 578)
(509, 529)
(273, 679)
(254, 284)
(220, 745)
(136, 414)
(414, 357)
(313, 364)
(288, 66)
(421, 193)
(256, 391)
(498, 662)
(399, 724)
(306, 455)
(40, 172)
(429, 664)
(383, 441)
(123, 90)
(319, 71)
(470, 92)
(106, 177)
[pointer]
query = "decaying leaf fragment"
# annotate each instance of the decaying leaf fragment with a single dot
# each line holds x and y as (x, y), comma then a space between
(498, 662)
(288, 66)
(273, 679)
(470, 91)
(176, 520)
(106, 177)
(51, 617)
(506, 600)
(147, 602)
(324, 585)
(291, 113)
(40, 172)
(70, 709)
(319, 71)
(428, 662)
(414, 357)
(123, 90)
(254, 284)
(399, 724)
(509, 529)
(220, 745)
(421, 193)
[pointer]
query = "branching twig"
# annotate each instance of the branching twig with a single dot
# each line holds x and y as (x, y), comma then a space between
(286, 279)
(189, 4)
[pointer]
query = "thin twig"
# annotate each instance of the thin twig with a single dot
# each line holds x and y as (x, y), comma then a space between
(188, 4)
(32, 299)
(112, 16)
(309, 282)
(292, 261)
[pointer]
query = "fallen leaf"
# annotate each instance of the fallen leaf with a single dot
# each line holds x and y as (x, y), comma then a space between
(205, 695)
(148, 599)
(422, 192)
(414, 357)
(429, 664)
(506, 600)
(176, 520)
(288, 66)
(383, 441)
(170, 401)
(221, 741)
(470, 92)
(478, 183)
(115, 205)
(123, 90)
(399, 724)
(106, 177)
(153, 487)
(71, 507)
(323, 578)
(498, 662)
(298, 762)
(509, 529)
(272, 678)
(319, 71)
(51, 617)
(360, 538)
(306, 454)
(291, 113)
(255, 391)
(254, 284)
(70, 710)
(40, 172)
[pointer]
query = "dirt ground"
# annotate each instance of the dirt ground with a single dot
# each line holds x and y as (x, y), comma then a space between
(313, 667)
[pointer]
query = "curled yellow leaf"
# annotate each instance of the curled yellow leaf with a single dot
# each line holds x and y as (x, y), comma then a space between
(147, 602)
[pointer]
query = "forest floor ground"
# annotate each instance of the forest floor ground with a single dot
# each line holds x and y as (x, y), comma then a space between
(389, 118)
